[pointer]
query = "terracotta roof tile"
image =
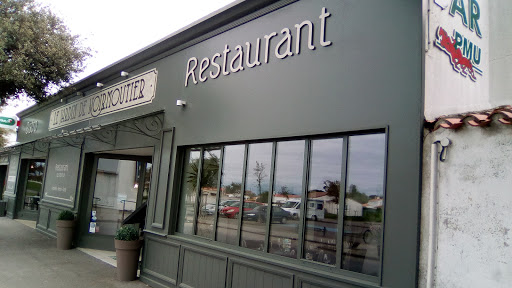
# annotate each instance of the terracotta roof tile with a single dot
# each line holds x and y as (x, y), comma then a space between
(502, 114)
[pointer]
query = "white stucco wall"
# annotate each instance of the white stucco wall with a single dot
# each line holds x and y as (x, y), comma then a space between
(474, 247)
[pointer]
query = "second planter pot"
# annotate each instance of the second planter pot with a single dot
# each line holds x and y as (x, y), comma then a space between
(127, 255)
(65, 234)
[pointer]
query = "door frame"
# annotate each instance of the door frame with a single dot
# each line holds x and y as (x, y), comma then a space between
(98, 241)
(20, 212)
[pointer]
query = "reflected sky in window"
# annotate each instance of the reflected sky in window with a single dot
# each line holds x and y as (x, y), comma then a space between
(367, 163)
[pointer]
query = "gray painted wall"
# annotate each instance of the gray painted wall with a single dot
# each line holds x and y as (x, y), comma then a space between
(370, 77)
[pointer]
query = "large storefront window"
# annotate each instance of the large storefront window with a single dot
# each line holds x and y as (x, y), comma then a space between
(326, 197)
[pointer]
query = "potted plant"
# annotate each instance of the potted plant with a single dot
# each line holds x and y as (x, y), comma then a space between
(127, 245)
(65, 226)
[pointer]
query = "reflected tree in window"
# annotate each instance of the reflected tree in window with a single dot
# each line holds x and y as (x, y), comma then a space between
(253, 232)
(259, 172)
(208, 195)
(321, 207)
(333, 190)
(363, 204)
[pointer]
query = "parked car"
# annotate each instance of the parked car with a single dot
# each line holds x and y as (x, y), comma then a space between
(209, 209)
(225, 203)
(232, 211)
(260, 214)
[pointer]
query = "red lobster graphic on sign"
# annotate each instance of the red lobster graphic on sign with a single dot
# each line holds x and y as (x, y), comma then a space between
(460, 63)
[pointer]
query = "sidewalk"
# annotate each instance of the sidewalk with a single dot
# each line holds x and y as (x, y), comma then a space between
(30, 259)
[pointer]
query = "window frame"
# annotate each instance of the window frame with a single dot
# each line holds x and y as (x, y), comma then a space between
(308, 139)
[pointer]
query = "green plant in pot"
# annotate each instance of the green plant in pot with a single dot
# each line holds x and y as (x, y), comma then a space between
(127, 245)
(65, 227)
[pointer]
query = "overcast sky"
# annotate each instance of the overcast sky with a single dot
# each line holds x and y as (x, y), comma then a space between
(114, 29)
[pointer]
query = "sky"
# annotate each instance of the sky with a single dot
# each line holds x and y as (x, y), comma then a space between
(114, 29)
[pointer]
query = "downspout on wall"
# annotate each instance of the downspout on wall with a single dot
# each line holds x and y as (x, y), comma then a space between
(433, 211)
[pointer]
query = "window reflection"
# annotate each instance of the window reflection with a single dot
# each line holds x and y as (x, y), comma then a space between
(147, 182)
(284, 229)
(231, 189)
(208, 192)
(189, 192)
(34, 184)
(323, 197)
(273, 223)
(116, 192)
(363, 204)
(257, 186)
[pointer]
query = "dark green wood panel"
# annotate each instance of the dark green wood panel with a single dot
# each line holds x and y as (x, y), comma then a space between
(52, 224)
(202, 269)
(161, 260)
(42, 222)
(11, 205)
(12, 174)
(253, 277)
(161, 181)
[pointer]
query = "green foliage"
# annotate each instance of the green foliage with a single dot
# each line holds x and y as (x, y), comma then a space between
(127, 233)
(66, 215)
(209, 173)
(34, 185)
(369, 215)
(333, 189)
(372, 215)
(233, 188)
(4, 134)
(354, 194)
(37, 52)
(263, 197)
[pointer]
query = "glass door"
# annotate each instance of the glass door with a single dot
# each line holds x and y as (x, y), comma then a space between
(120, 188)
(34, 185)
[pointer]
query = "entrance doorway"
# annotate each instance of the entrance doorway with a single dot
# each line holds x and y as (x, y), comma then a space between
(3, 178)
(32, 188)
(120, 185)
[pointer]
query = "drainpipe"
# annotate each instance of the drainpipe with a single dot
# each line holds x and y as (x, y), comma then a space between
(432, 236)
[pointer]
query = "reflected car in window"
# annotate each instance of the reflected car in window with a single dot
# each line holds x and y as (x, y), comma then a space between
(260, 214)
(232, 211)
(209, 209)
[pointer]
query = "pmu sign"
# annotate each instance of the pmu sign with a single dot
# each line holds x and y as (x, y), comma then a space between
(465, 55)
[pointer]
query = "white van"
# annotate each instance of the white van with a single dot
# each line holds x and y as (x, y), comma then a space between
(315, 209)
(292, 207)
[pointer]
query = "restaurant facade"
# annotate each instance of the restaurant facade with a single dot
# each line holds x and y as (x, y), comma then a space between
(312, 108)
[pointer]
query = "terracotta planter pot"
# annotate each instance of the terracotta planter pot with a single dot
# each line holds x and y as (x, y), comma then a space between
(127, 255)
(65, 234)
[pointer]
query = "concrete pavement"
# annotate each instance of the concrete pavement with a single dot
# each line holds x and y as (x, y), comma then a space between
(30, 259)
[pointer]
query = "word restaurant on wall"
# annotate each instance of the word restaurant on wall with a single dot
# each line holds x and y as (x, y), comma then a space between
(221, 64)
